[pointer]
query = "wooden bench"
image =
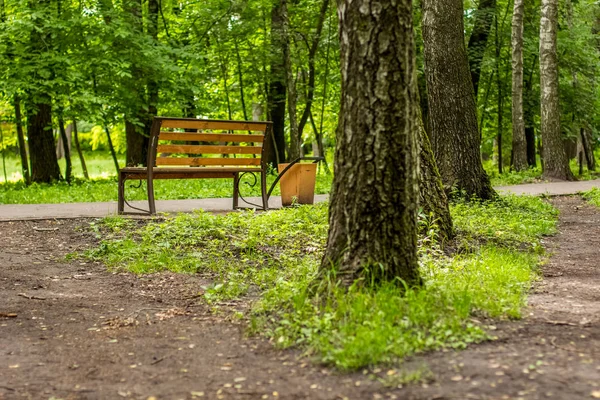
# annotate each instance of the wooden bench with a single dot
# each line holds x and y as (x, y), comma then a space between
(186, 148)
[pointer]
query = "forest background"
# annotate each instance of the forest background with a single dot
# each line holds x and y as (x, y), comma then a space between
(98, 70)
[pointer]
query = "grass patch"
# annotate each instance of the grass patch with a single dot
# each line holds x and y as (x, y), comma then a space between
(592, 196)
(531, 175)
(272, 259)
(105, 189)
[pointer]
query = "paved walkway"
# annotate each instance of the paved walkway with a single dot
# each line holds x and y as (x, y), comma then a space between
(550, 188)
(80, 210)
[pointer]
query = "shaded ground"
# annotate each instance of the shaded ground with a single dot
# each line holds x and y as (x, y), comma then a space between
(81, 332)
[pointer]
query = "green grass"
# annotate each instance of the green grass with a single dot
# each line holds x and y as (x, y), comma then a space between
(593, 196)
(104, 188)
(272, 259)
(532, 175)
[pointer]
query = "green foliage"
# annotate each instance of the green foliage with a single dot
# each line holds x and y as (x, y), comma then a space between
(273, 258)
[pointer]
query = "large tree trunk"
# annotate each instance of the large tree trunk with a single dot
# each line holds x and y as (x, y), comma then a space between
(277, 88)
(479, 38)
(555, 162)
(373, 207)
(21, 140)
(452, 108)
(519, 141)
(44, 165)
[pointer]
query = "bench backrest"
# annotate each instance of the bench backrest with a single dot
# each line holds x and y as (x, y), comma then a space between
(181, 142)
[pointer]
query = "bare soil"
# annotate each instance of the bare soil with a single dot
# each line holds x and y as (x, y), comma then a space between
(73, 330)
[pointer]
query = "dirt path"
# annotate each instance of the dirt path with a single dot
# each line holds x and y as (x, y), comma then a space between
(84, 333)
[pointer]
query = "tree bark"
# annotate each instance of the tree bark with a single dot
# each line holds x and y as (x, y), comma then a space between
(373, 207)
(276, 96)
(452, 108)
(432, 196)
(42, 152)
(21, 140)
(479, 38)
(555, 162)
(519, 141)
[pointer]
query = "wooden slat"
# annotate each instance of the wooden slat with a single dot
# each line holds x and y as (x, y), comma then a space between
(218, 125)
(196, 161)
(191, 149)
(211, 137)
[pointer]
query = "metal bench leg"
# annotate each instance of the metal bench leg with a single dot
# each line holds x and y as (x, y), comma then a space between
(236, 190)
(151, 203)
(121, 201)
(263, 189)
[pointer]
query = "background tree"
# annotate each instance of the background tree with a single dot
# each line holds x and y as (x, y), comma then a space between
(452, 108)
(519, 142)
(556, 164)
(374, 200)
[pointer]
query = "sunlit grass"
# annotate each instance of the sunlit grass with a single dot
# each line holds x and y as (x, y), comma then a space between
(274, 258)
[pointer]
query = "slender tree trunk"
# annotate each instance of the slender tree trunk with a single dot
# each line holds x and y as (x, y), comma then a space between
(240, 78)
(529, 118)
(374, 200)
(519, 141)
(312, 52)
(79, 152)
(453, 112)
(484, 16)
(500, 98)
(276, 96)
(153, 89)
(66, 150)
(555, 162)
(111, 147)
(42, 152)
(3, 155)
(588, 149)
(292, 96)
(21, 140)
(136, 118)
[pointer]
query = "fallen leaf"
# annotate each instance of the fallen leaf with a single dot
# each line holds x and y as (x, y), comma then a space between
(596, 394)
(197, 394)
(456, 378)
